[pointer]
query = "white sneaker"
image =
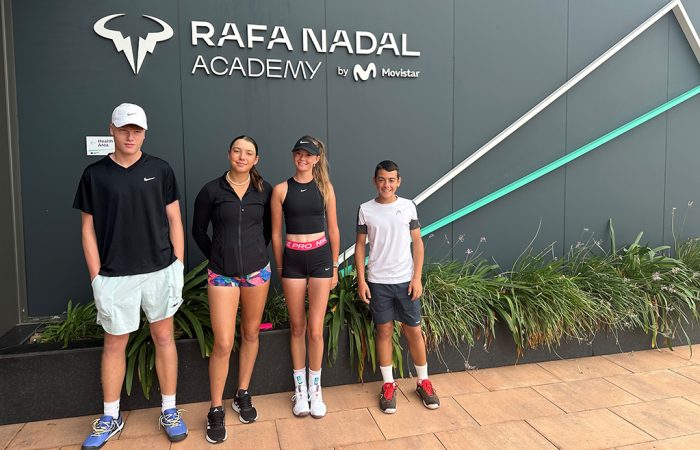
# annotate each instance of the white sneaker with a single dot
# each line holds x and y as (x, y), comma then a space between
(318, 408)
(301, 402)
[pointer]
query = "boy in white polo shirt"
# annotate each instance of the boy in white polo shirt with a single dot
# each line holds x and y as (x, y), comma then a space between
(392, 286)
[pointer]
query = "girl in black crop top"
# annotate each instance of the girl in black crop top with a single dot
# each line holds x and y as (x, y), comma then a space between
(307, 262)
(237, 204)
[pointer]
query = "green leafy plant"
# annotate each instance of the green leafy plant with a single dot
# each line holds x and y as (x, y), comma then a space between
(689, 253)
(620, 302)
(542, 304)
(458, 302)
(668, 288)
(79, 324)
(276, 311)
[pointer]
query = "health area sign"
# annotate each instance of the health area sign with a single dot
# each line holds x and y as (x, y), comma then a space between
(220, 47)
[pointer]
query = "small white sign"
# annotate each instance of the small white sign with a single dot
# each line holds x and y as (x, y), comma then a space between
(99, 145)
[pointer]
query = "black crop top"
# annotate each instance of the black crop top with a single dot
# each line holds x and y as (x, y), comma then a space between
(304, 211)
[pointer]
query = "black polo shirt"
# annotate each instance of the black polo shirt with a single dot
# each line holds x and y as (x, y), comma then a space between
(128, 210)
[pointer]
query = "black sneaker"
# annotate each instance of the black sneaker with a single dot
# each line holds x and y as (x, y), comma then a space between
(427, 393)
(387, 399)
(216, 431)
(243, 405)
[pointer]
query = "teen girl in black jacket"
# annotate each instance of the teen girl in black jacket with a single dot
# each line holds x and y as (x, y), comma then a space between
(237, 204)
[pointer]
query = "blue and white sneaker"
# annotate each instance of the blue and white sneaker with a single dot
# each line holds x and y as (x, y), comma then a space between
(172, 423)
(102, 429)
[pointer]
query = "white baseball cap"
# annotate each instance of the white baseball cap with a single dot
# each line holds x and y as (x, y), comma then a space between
(129, 114)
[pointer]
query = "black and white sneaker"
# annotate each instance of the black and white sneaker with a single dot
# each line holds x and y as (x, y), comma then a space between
(243, 405)
(216, 430)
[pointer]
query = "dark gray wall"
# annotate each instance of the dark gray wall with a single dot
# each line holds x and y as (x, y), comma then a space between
(483, 64)
(68, 81)
(11, 269)
(499, 75)
(623, 180)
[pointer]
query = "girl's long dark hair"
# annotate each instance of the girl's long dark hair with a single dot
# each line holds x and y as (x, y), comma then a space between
(255, 178)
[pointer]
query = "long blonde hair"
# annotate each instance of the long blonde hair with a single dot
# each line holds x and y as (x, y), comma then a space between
(320, 170)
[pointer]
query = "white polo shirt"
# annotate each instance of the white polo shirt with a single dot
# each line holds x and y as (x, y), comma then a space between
(388, 226)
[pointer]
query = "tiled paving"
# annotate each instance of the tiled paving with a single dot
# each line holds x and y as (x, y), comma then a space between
(632, 401)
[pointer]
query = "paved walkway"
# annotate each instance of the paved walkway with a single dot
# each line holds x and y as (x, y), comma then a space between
(640, 400)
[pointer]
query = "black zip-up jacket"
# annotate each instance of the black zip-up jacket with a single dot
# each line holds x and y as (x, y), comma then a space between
(241, 228)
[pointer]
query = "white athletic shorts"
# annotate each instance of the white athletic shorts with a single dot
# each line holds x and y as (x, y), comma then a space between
(120, 299)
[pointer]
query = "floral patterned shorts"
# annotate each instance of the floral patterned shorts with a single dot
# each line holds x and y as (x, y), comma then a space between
(257, 278)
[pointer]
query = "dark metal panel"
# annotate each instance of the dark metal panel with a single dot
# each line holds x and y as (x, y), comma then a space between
(13, 308)
(68, 81)
(404, 120)
(504, 65)
(682, 145)
(624, 178)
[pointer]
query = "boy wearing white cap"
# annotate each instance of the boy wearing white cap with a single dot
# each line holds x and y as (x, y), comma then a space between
(133, 242)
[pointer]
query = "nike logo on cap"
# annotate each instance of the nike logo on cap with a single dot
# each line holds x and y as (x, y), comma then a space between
(148, 179)
(304, 142)
(130, 114)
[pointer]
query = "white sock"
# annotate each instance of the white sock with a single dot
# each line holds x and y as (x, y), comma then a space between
(314, 379)
(422, 372)
(300, 378)
(387, 373)
(168, 402)
(112, 409)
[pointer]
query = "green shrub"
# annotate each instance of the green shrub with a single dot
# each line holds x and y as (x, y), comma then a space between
(80, 323)
(458, 302)
(541, 300)
(276, 311)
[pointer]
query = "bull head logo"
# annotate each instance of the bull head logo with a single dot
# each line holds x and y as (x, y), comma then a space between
(123, 44)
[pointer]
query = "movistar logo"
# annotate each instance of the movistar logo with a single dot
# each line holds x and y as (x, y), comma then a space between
(123, 44)
(359, 73)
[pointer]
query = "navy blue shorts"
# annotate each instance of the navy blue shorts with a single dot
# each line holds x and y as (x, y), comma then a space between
(391, 302)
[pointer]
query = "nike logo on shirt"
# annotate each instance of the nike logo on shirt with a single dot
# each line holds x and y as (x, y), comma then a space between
(148, 179)
(303, 190)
